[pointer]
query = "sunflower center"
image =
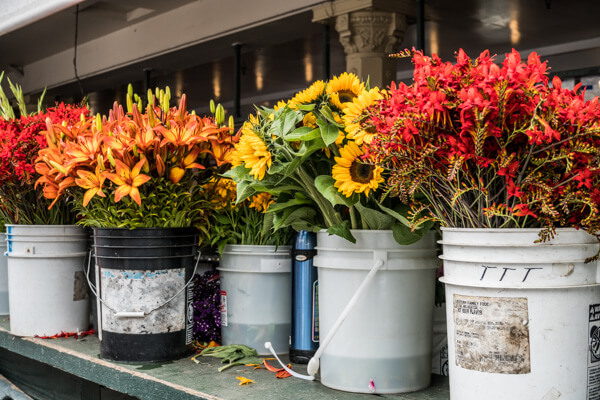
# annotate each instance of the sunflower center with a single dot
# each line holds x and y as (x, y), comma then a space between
(346, 96)
(360, 172)
(371, 129)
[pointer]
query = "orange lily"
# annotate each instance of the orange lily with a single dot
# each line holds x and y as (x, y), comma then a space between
(180, 135)
(72, 132)
(118, 142)
(189, 161)
(145, 138)
(91, 181)
(128, 180)
(84, 150)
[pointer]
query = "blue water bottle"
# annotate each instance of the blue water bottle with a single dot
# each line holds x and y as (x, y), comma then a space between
(305, 315)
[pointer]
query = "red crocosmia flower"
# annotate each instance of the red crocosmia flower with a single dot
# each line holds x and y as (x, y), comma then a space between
(522, 210)
(501, 141)
(585, 178)
(510, 170)
(513, 190)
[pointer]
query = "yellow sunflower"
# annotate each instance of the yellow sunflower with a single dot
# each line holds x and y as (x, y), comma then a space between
(353, 115)
(343, 89)
(223, 192)
(261, 201)
(352, 175)
(280, 104)
(253, 153)
(308, 95)
(310, 120)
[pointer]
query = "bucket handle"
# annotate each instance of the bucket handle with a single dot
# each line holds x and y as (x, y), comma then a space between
(134, 314)
(313, 364)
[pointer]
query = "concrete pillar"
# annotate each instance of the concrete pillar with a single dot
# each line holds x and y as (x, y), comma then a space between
(369, 31)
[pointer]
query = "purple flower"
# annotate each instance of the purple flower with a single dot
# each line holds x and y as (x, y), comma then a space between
(207, 301)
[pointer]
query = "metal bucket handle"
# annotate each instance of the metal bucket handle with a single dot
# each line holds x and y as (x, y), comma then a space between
(134, 314)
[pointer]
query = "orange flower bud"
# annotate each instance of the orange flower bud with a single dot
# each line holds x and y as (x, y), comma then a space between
(176, 174)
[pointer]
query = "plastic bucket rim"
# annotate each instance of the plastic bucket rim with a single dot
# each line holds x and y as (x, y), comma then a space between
(142, 257)
(101, 246)
(77, 227)
(446, 281)
(499, 230)
(520, 245)
(254, 271)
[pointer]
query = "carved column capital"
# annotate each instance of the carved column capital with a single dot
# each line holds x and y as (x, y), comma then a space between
(370, 31)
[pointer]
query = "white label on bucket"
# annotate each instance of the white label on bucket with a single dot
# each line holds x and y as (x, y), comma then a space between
(223, 308)
(492, 334)
(593, 392)
(135, 291)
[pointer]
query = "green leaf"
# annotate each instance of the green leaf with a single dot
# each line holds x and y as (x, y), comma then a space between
(265, 111)
(238, 173)
(298, 218)
(306, 107)
(291, 167)
(343, 230)
(326, 111)
(329, 132)
(291, 117)
(399, 217)
(325, 184)
(242, 361)
(303, 133)
(404, 235)
(290, 203)
(267, 226)
(375, 219)
(244, 190)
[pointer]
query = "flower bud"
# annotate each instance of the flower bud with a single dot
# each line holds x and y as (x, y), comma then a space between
(176, 174)
(146, 166)
(110, 157)
(212, 106)
(58, 167)
(219, 115)
(150, 114)
(129, 104)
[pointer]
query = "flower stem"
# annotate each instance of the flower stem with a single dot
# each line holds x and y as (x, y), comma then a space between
(327, 210)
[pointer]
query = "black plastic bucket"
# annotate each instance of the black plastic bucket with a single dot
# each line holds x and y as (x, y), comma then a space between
(143, 293)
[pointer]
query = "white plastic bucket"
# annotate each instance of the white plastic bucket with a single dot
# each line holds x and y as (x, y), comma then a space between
(3, 276)
(384, 345)
(523, 317)
(255, 296)
(48, 292)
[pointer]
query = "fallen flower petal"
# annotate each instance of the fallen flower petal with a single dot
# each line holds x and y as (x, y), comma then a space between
(75, 335)
(270, 367)
(280, 373)
(283, 373)
(244, 381)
